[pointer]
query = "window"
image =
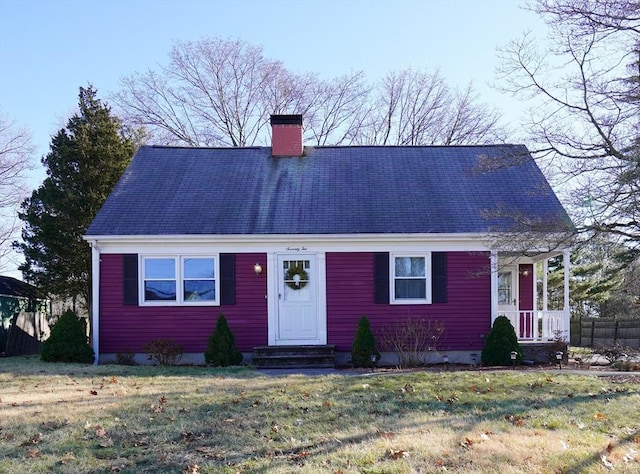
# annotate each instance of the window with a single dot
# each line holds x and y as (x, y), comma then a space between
(180, 280)
(199, 279)
(409, 279)
(159, 279)
(504, 288)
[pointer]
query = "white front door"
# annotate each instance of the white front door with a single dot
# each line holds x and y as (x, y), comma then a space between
(297, 313)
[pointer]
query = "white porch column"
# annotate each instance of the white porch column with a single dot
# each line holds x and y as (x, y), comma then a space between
(95, 300)
(545, 283)
(494, 286)
(567, 311)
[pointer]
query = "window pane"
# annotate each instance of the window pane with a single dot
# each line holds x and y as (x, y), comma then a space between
(410, 266)
(411, 289)
(199, 290)
(199, 268)
(160, 290)
(159, 268)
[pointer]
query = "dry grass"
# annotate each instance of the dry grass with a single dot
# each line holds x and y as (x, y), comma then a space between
(75, 418)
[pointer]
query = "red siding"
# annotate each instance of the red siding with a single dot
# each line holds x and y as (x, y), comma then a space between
(466, 315)
(128, 328)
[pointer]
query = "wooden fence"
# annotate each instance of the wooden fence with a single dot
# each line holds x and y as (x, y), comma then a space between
(590, 332)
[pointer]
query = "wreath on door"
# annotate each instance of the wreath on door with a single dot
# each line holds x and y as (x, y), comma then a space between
(296, 277)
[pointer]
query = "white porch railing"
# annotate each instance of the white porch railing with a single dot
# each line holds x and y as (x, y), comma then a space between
(537, 326)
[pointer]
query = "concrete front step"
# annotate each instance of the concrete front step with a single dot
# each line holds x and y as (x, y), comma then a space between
(294, 356)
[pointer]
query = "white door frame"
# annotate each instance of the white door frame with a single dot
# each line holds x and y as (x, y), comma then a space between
(319, 286)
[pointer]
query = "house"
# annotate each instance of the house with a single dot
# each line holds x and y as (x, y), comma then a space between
(23, 317)
(294, 244)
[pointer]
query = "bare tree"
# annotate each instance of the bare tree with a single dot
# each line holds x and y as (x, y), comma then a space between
(218, 92)
(16, 159)
(418, 108)
(586, 112)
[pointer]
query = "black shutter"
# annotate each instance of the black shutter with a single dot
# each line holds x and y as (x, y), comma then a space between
(130, 280)
(227, 278)
(381, 278)
(439, 277)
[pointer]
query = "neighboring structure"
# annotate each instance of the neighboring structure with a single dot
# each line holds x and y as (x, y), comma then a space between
(23, 317)
(294, 244)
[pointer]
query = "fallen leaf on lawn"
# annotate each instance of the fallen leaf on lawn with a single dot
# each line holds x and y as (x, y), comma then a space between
(636, 439)
(408, 388)
(608, 464)
(326, 404)
(466, 443)
(34, 452)
(600, 416)
(52, 425)
(101, 432)
(107, 443)
(386, 434)
(68, 456)
(630, 455)
(35, 439)
(514, 419)
(397, 454)
(191, 469)
(609, 448)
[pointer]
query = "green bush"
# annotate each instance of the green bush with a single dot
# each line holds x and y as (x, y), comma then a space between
(500, 342)
(364, 345)
(165, 351)
(221, 348)
(68, 341)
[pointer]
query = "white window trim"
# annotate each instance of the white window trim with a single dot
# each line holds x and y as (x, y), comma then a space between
(179, 272)
(392, 278)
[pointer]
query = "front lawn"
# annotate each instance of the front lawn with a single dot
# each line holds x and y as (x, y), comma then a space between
(79, 418)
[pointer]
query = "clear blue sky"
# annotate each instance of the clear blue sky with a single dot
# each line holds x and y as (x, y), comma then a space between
(49, 48)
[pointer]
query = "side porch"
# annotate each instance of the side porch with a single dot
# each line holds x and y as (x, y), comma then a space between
(520, 291)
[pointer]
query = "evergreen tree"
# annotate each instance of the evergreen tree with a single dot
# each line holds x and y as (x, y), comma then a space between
(68, 341)
(364, 345)
(221, 348)
(85, 161)
(500, 342)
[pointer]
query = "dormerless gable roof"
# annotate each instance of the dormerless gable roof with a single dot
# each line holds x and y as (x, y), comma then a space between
(330, 190)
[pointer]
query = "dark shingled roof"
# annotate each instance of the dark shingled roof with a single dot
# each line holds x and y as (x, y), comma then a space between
(330, 190)
(13, 287)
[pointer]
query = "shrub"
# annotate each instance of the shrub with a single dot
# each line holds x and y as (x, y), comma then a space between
(165, 351)
(614, 352)
(500, 342)
(126, 358)
(411, 338)
(221, 347)
(68, 341)
(364, 345)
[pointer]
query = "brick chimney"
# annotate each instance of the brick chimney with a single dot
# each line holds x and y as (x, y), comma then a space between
(286, 135)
